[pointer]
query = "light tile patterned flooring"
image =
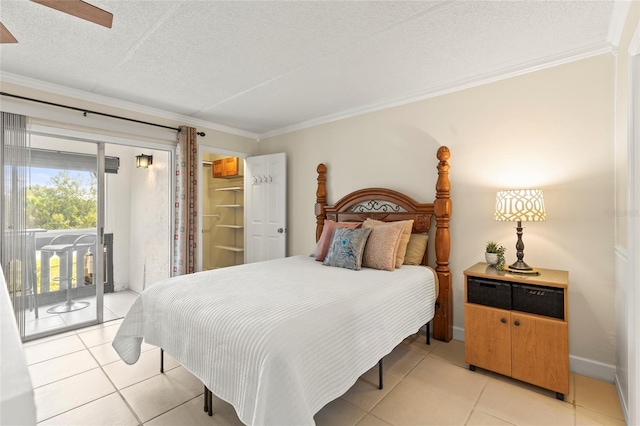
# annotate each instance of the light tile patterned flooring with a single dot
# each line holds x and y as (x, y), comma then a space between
(79, 380)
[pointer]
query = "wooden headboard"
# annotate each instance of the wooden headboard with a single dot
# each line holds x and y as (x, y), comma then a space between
(389, 205)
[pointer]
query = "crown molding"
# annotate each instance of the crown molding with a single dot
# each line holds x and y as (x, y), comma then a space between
(618, 19)
(508, 72)
(82, 95)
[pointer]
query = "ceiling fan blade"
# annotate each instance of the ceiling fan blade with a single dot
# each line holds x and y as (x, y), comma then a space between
(80, 9)
(6, 36)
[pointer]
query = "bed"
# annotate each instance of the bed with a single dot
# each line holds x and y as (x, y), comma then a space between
(282, 338)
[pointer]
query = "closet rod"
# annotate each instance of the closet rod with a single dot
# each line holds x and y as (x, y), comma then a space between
(85, 111)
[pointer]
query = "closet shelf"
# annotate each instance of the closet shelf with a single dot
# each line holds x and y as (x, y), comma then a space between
(231, 206)
(231, 248)
(230, 188)
(230, 226)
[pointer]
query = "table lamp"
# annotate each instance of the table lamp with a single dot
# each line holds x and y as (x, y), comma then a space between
(520, 205)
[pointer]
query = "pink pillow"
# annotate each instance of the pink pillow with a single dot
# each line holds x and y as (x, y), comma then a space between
(327, 236)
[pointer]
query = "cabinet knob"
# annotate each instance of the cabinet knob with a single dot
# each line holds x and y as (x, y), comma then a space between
(503, 320)
(517, 323)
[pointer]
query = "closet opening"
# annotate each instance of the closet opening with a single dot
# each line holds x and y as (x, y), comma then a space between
(222, 211)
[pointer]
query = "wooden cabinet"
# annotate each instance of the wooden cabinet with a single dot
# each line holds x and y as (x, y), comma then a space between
(225, 167)
(529, 339)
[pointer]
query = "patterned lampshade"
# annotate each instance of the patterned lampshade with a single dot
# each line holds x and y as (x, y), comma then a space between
(526, 205)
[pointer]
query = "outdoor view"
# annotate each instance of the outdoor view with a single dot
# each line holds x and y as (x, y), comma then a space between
(59, 200)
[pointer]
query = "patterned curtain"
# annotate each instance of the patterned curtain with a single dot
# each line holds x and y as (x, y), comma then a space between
(186, 203)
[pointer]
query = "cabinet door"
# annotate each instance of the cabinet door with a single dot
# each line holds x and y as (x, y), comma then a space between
(487, 338)
(540, 351)
(230, 166)
(217, 168)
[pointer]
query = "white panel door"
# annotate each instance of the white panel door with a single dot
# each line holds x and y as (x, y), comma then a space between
(266, 207)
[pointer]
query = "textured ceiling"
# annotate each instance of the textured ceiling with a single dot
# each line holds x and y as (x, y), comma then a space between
(264, 67)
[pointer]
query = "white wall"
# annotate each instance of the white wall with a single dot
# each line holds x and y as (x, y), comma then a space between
(552, 129)
(150, 220)
(118, 212)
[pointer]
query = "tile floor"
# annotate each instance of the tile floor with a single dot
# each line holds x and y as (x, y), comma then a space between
(79, 380)
(116, 305)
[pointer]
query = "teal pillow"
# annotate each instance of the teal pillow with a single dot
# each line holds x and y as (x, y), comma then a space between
(347, 247)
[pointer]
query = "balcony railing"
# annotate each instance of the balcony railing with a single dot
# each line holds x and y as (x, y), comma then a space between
(50, 270)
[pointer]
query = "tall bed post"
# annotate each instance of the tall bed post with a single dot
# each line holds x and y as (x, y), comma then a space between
(321, 199)
(443, 321)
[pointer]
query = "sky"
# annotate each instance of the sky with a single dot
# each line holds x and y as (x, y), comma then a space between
(42, 176)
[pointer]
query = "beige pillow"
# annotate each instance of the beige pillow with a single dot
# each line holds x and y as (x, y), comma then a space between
(382, 245)
(404, 237)
(415, 249)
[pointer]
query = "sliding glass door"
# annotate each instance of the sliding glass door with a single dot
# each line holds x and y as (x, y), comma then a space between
(56, 273)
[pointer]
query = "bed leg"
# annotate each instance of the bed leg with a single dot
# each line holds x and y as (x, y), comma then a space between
(161, 360)
(428, 331)
(210, 404)
(206, 399)
(380, 373)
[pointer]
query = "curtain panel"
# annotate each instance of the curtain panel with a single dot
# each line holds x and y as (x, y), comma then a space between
(186, 203)
(14, 180)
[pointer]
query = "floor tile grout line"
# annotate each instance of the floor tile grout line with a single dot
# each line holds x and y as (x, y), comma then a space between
(179, 405)
(115, 387)
(55, 357)
(424, 356)
(71, 409)
(65, 378)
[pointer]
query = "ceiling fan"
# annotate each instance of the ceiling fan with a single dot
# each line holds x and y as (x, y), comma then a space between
(79, 8)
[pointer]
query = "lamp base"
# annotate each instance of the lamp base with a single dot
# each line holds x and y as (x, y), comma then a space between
(522, 268)
(519, 265)
(531, 271)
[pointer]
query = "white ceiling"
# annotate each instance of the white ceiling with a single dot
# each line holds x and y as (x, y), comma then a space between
(268, 67)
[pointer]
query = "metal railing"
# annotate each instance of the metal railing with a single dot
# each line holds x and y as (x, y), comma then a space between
(49, 270)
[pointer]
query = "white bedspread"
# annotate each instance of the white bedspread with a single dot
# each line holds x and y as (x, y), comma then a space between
(282, 338)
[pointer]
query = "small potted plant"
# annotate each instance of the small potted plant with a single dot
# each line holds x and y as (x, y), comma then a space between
(494, 255)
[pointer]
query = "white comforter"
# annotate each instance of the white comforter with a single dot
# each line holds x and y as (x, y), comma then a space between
(282, 338)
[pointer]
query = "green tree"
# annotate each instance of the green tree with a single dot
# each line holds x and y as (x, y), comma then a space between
(65, 203)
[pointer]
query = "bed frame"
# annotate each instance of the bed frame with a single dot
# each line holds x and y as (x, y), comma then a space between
(389, 205)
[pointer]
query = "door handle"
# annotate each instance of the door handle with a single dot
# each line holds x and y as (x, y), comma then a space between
(281, 231)
(503, 320)
(517, 323)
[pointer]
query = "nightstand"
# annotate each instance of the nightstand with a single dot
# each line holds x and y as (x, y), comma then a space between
(517, 325)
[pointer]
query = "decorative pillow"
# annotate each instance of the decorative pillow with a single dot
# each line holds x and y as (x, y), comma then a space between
(382, 245)
(327, 235)
(347, 247)
(404, 237)
(415, 249)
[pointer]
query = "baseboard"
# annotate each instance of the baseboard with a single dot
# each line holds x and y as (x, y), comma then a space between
(458, 333)
(586, 367)
(595, 369)
(623, 402)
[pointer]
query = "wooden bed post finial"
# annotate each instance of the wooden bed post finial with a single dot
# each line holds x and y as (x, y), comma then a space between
(321, 199)
(443, 321)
